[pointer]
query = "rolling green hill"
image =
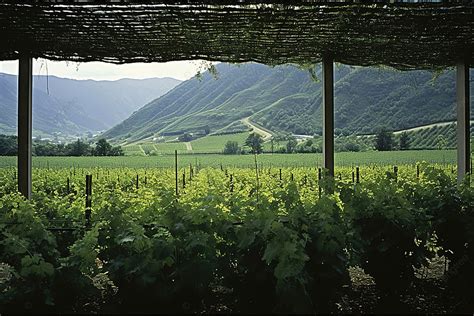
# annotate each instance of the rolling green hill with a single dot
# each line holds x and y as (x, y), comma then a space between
(438, 136)
(285, 98)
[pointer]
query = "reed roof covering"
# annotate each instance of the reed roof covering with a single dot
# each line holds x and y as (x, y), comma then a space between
(401, 35)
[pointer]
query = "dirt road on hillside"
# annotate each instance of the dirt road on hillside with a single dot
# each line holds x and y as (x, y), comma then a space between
(266, 136)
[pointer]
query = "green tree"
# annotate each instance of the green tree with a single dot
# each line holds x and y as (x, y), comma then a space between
(186, 137)
(48, 149)
(231, 148)
(102, 148)
(384, 140)
(347, 143)
(254, 141)
(404, 141)
(8, 145)
(116, 151)
(291, 144)
(78, 148)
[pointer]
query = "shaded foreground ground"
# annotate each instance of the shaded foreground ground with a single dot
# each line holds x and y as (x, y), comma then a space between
(428, 294)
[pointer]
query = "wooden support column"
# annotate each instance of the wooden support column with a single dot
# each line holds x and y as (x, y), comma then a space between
(463, 119)
(25, 83)
(328, 115)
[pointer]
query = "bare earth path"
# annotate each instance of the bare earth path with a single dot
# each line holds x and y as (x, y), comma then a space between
(189, 147)
(265, 134)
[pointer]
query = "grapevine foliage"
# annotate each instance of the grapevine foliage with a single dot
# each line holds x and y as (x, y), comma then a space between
(267, 246)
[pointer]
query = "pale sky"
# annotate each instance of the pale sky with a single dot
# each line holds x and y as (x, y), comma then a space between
(181, 70)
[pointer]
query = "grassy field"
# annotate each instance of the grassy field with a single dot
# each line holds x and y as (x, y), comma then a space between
(216, 143)
(145, 149)
(208, 144)
(215, 160)
(169, 148)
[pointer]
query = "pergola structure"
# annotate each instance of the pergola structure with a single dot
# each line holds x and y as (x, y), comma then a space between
(406, 36)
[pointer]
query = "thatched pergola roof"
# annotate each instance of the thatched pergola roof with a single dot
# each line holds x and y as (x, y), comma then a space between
(401, 35)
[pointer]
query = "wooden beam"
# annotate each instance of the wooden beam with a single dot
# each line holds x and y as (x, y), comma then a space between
(328, 115)
(25, 84)
(463, 117)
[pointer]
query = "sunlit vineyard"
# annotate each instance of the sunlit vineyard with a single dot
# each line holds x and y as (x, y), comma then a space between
(258, 239)
(437, 136)
(343, 159)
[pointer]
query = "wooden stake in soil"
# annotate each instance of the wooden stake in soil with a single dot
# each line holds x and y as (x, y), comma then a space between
(88, 200)
(319, 182)
(256, 173)
(176, 171)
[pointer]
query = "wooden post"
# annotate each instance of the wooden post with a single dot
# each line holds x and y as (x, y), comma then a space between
(328, 115)
(463, 117)
(88, 199)
(319, 182)
(25, 86)
(176, 171)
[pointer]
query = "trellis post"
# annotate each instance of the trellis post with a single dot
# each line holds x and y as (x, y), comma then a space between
(463, 119)
(328, 114)
(25, 84)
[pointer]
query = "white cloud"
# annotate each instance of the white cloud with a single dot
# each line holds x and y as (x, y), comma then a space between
(182, 70)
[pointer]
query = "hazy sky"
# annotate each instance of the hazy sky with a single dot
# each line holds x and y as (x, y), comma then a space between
(103, 71)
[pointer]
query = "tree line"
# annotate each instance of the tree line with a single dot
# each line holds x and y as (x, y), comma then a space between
(384, 140)
(9, 147)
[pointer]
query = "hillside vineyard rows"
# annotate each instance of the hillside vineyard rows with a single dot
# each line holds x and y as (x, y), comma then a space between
(247, 240)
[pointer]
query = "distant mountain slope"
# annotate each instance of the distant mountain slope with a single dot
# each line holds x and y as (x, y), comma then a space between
(76, 106)
(285, 98)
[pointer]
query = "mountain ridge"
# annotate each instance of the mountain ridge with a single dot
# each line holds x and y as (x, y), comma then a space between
(77, 106)
(286, 99)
